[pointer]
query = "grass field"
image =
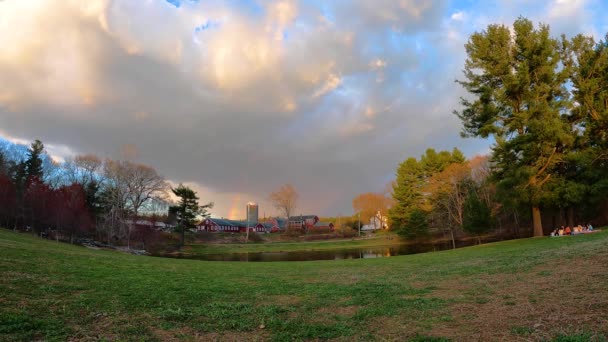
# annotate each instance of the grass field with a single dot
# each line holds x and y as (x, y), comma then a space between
(531, 289)
(383, 240)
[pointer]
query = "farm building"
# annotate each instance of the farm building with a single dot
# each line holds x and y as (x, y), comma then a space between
(303, 221)
(322, 227)
(234, 226)
(158, 225)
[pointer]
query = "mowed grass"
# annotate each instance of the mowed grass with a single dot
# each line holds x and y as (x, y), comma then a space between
(211, 248)
(531, 289)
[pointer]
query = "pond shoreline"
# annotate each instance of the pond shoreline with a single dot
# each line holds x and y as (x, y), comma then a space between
(326, 250)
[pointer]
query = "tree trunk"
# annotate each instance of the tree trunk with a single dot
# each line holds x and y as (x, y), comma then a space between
(538, 227)
(571, 216)
(453, 240)
(515, 217)
(182, 237)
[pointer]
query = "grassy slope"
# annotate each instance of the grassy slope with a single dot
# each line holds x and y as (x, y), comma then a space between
(290, 246)
(530, 289)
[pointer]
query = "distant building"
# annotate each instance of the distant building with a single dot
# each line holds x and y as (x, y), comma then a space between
(252, 213)
(271, 225)
(303, 221)
(158, 225)
(234, 226)
(322, 227)
(376, 222)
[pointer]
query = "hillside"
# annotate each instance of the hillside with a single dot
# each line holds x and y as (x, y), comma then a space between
(542, 288)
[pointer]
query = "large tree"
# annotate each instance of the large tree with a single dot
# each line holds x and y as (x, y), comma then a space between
(129, 187)
(285, 199)
(412, 176)
(188, 210)
(516, 84)
(588, 60)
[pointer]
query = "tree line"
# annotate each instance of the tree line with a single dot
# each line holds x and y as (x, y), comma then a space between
(544, 103)
(86, 196)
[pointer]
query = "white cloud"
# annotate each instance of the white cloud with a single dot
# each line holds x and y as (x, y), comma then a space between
(458, 16)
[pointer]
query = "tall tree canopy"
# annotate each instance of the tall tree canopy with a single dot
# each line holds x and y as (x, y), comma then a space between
(516, 82)
(589, 64)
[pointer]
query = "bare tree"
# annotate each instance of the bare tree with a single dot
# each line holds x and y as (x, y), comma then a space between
(144, 185)
(130, 187)
(447, 191)
(284, 199)
(115, 198)
(83, 169)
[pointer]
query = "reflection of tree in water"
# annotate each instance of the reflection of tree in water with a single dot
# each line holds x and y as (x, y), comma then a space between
(339, 254)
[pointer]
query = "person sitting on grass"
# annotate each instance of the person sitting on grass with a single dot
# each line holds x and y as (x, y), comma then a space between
(589, 227)
(561, 231)
(555, 232)
(567, 231)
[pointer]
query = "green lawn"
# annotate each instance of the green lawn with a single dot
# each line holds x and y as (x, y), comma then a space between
(210, 248)
(531, 289)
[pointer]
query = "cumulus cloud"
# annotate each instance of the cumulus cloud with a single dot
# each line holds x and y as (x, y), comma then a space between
(237, 98)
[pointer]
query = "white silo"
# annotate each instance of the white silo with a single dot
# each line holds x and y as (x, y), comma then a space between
(252, 213)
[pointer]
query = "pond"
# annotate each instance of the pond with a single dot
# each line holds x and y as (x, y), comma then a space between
(334, 254)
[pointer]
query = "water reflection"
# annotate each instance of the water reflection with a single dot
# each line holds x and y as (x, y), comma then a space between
(336, 254)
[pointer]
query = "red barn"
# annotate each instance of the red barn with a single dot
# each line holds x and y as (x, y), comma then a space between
(234, 226)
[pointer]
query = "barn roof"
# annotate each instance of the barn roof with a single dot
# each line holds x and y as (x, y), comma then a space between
(224, 222)
(302, 217)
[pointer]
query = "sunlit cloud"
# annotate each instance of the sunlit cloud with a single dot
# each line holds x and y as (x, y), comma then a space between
(240, 97)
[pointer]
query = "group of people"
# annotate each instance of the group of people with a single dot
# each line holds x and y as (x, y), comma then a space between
(572, 231)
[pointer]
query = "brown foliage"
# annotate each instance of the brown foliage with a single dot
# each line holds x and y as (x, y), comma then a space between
(284, 199)
(369, 203)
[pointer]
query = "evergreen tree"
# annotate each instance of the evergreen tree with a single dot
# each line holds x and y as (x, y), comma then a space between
(588, 61)
(406, 193)
(412, 177)
(33, 163)
(188, 210)
(417, 226)
(517, 84)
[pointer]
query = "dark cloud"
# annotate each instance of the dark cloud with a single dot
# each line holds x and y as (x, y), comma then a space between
(328, 99)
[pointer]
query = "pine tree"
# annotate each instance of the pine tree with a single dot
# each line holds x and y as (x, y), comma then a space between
(417, 226)
(33, 164)
(517, 85)
(188, 210)
(588, 61)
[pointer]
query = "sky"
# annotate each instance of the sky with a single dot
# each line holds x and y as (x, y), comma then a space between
(237, 97)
